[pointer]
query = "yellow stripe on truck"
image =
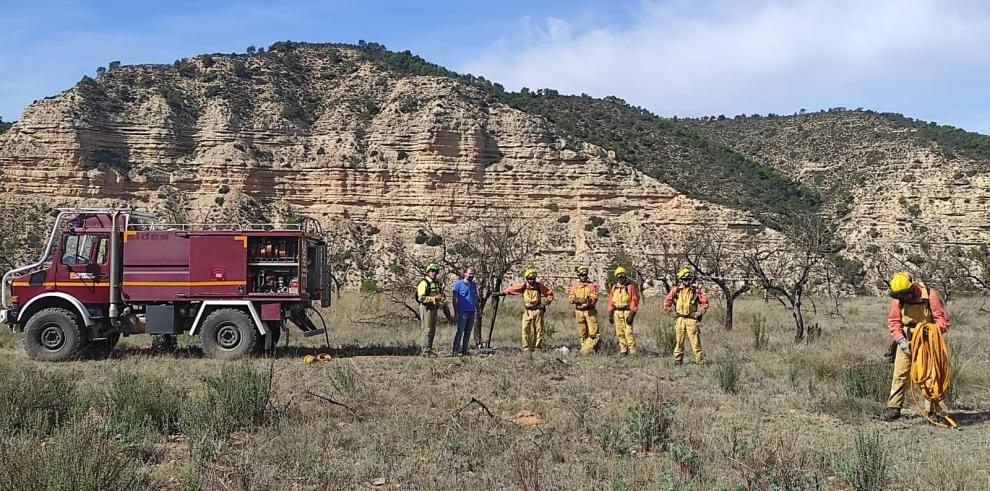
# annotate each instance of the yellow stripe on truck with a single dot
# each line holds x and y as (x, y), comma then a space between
(139, 283)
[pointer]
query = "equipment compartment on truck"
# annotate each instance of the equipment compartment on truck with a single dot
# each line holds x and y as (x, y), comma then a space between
(274, 265)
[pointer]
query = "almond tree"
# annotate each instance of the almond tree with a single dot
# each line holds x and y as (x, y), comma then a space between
(495, 246)
(659, 264)
(785, 271)
(716, 256)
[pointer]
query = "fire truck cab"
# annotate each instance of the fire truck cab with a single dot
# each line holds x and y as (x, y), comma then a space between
(106, 273)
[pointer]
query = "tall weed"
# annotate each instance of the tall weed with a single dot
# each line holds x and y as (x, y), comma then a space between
(33, 400)
(727, 375)
(648, 423)
(867, 380)
(81, 456)
(666, 337)
(869, 470)
(236, 399)
(761, 337)
(137, 402)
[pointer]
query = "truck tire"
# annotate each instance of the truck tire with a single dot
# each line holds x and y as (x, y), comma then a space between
(54, 334)
(228, 334)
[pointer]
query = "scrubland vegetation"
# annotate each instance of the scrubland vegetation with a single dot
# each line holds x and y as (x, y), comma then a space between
(763, 413)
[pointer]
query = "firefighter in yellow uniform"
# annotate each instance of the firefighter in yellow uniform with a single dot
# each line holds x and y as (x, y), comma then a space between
(430, 297)
(536, 298)
(584, 296)
(688, 304)
(623, 303)
(912, 305)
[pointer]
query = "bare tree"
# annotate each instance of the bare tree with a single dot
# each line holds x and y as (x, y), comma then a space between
(350, 251)
(944, 267)
(941, 266)
(495, 245)
(716, 256)
(976, 267)
(659, 265)
(391, 297)
(785, 271)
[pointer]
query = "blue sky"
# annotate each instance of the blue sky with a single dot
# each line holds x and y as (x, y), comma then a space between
(924, 58)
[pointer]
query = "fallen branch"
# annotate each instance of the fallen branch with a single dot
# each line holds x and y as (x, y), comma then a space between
(335, 403)
(475, 401)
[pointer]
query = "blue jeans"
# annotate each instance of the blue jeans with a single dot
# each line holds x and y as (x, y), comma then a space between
(462, 339)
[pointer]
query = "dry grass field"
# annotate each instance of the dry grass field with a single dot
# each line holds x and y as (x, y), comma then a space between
(763, 413)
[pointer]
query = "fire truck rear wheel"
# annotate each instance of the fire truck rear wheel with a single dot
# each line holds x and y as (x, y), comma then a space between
(54, 334)
(228, 334)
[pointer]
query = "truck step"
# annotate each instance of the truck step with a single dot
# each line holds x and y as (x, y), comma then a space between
(314, 332)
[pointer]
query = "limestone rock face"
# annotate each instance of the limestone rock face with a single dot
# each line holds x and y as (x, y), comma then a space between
(321, 132)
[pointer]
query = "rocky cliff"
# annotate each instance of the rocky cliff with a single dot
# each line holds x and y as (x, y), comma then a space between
(323, 131)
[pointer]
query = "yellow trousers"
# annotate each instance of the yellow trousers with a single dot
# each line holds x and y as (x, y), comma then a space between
(624, 332)
(688, 326)
(532, 329)
(587, 326)
(900, 383)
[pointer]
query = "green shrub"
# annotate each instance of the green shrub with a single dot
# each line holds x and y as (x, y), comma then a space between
(369, 285)
(80, 457)
(870, 469)
(345, 379)
(868, 380)
(603, 232)
(610, 438)
(564, 219)
(136, 402)
(648, 423)
(236, 399)
(33, 401)
(434, 240)
(688, 461)
(727, 375)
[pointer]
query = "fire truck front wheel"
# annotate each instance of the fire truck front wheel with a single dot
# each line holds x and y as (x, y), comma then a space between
(54, 334)
(228, 334)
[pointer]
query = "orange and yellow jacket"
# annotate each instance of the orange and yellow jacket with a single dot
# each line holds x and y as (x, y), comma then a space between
(685, 300)
(623, 297)
(928, 309)
(531, 294)
(583, 295)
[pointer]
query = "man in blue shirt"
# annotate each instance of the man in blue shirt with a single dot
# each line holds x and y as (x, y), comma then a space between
(465, 299)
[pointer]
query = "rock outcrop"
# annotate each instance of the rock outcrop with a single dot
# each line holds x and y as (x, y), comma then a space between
(317, 130)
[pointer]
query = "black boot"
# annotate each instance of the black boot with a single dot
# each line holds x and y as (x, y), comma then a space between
(890, 414)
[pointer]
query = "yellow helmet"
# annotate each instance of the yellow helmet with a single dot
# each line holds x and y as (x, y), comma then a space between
(684, 273)
(899, 283)
(581, 270)
(529, 273)
(620, 271)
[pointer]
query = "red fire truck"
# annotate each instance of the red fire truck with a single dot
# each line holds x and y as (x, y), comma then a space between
(106, 273)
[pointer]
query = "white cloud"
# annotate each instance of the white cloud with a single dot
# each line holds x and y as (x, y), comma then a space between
(920, 57)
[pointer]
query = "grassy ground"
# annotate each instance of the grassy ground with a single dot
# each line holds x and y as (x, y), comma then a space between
(767, 414)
